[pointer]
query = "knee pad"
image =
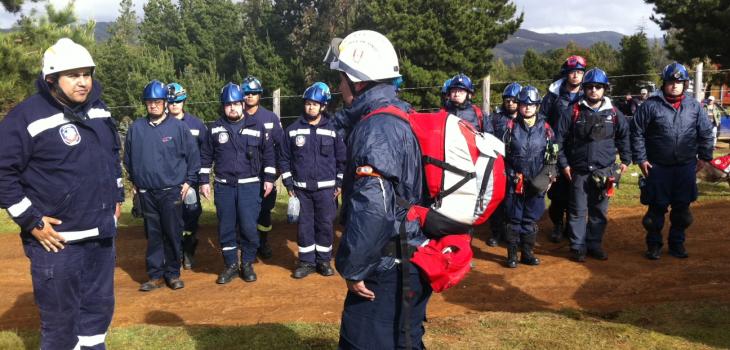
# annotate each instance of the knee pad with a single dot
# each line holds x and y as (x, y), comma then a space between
(681, 217)
(648, 222)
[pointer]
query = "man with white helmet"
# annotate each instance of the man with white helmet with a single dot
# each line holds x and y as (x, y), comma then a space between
(384, 167)
(60, 181)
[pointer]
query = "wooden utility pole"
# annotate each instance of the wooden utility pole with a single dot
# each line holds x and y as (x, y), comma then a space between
(699, 90)
(486, 92)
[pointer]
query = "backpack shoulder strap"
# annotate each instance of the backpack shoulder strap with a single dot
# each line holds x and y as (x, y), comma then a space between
(389, 109)
(479, 114)
(576, 112)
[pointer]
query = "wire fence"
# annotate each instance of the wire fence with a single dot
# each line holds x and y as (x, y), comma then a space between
(438, 88)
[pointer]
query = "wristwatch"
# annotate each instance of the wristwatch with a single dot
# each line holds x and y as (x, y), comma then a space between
(40, 224)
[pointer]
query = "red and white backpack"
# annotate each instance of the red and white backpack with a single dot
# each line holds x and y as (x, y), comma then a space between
(464, 171)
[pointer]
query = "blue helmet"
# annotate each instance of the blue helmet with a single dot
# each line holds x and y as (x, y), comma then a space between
(155, 90)
(675, 71)
(231, 93)
(596, 76)
(176, 93)
(528, 95)
(512, 90)
(318, 92)
(251, 85)
(445, 87)
(461, 81)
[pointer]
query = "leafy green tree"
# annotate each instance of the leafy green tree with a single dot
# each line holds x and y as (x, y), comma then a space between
(436, 39)
(636, 60)
(13, 6)
(21, 50)
(697, 28)
(125, 28)
(604, 56)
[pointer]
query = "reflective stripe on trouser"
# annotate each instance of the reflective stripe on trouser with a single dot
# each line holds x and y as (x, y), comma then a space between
(263, 222)
(377, 324)
(669, 185)
(522, 212)
(238, 205)
(162, 211)
(74, 291)
(585, 200)
(316, 216)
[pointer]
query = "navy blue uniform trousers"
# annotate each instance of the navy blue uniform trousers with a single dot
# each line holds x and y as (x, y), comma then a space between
(238, 205)
(523, 212)
(316, 217)
(378, 324)
(162, 211)
(667, 185)
(74, 291)
(586, 200)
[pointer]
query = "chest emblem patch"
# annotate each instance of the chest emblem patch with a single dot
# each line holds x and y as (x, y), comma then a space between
(70, 134)
(167, 139)
(300, 140)
(223, 137)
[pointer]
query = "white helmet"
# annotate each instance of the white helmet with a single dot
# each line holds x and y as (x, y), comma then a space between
(363, 55)
(65, 55)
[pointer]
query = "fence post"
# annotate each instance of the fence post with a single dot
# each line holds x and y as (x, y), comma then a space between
(486, 92)
(277, 103)
(276, 108)
(699, 93)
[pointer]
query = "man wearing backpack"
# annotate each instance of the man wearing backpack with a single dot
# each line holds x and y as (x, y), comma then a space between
(459, 93)
(671, 138)
(499, 121)
(384, 164)
(590, 132)
(561, 94)
(529, 141)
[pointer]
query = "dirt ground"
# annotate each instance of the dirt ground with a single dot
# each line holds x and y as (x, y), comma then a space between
(626, 279)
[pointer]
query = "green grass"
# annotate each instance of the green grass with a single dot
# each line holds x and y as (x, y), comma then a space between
(667, 326)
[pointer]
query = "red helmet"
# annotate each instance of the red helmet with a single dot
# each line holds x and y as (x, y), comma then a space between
(572, 63)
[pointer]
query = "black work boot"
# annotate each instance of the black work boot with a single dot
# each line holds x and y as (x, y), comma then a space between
(512, 256)
(325, 269)
(228, 273)
(578, 255)
(653, 252)
(247, 272)
(557, 235)
(190, 243)
(303, 270)
(528, 257)
(264, 250)
(598, 253)
(677, 250)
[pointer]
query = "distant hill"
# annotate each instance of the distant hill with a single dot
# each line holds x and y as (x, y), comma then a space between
(512, 50)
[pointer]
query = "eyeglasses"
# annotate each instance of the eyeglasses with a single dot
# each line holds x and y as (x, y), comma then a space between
(593, 86)
(509, 100)
(251, 93)
(175, 102)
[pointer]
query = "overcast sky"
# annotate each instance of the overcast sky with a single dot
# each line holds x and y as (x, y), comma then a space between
(544, 16)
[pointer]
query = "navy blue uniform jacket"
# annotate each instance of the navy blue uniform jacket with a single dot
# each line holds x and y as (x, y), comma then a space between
(666, 136)
(63, 163)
